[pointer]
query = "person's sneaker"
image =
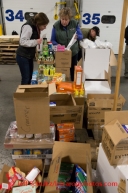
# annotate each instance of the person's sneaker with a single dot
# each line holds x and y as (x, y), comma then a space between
(126, 75)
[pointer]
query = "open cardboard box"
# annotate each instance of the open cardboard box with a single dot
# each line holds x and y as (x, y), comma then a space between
(97, 80)
(115, 138)
(25, 166)
(32, 110)
(76, 153)
(65, 110)
(99, 60)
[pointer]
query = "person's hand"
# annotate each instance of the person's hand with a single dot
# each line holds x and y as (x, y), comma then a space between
(39, 41)
(75, 37)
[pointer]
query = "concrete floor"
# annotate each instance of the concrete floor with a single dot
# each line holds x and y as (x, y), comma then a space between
(10, 79)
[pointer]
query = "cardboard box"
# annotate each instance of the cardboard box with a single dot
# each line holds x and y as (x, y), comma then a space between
(76, 153)
(80, 101)
(114, 142)
(41, 156)
(65, 110)
(100, 62)
(25, 166)
(32, 110)
(63, 59)
(106, 174)
(65, 71)
(104, 101)
(98, 104)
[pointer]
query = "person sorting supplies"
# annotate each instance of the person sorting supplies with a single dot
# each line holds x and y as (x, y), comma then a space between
(63, 31)
(29, 39)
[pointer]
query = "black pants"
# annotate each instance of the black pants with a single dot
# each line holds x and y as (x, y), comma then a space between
(26, 69)
(73, 64)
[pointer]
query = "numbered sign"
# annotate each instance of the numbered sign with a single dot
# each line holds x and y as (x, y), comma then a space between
(11, 16)
(91, 19)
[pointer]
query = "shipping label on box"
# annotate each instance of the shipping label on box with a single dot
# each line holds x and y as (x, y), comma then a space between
(63, 59)
(115, 143)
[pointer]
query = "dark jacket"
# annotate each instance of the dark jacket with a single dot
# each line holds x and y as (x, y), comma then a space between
(63, 36)
(126, 35)
(29, 52)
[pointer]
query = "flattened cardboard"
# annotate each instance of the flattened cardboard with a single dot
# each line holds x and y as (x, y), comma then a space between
(69, 154)
(115, 146)
(31, 104)
(63, 59)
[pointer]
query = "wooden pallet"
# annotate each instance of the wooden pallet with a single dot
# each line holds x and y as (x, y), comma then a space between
(8, 47)
(9, 39)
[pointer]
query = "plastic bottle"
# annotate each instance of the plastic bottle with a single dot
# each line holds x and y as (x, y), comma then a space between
(78, 77)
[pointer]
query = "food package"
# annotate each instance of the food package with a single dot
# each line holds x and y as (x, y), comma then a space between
(65, 87)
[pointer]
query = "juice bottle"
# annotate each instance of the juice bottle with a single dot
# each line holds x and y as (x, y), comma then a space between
(78, 77)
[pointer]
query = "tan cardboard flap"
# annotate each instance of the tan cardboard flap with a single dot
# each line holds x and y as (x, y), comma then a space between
(53, 173)
(70, 152)
(113, 60)
(62, 99)
(33, 86)
(115, 127)
(27, 165)
(121, 116)
(52, 88)
(3, 177)
(28, 111)
(80, 100)
(122, 186)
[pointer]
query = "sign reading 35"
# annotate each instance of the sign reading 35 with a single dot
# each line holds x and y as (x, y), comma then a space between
(88, 18)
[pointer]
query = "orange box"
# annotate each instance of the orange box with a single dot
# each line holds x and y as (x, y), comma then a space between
(65, 126)
(65, 131)
(65, 87)
(78, 77)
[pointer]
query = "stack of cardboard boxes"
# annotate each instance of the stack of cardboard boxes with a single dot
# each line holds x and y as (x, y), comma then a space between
(97, 105)
(63, 63)
(113, 153)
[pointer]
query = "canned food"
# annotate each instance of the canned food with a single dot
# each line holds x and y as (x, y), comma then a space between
(38, 136)
(29, 136)
(17, 152)
(21, 136)
(28, 152)
(37, 152)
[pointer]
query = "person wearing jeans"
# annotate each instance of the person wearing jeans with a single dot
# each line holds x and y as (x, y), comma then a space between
(29, 39)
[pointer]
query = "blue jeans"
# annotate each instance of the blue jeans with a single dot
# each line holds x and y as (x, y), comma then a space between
(26, 69)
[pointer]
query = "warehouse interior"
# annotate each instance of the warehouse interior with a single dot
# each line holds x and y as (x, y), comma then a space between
(63, 124)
